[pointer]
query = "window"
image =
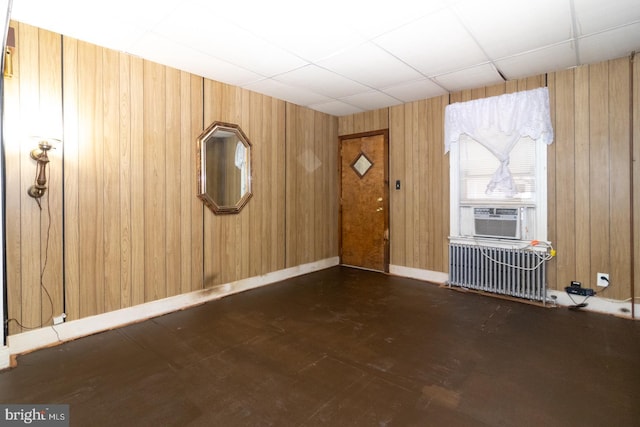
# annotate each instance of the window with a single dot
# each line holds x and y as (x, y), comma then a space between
(498, 158)
(478, 165)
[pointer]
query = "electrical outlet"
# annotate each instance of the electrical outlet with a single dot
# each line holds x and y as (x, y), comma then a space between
(59, 319)
(602, 280)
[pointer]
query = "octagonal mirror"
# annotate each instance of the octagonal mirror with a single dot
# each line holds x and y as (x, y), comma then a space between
(224, 168)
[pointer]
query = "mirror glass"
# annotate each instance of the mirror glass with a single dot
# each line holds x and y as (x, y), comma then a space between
(224, 168)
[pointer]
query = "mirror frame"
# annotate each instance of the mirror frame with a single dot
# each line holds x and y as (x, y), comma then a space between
(201, 168)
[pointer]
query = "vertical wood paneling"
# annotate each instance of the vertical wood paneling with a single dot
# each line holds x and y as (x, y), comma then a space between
(592, 212)
(222, 252)
(419, 210)
(422, 160)
(251, 242)
(438, 168)
(192, 207)
(319, 135)
(445, 187)
(71, 179)
(124, 142)
(620, 219)
(14, 138)
(291, 214)
(582, 176)
(138, 183)
(397, 198)
(111, 188)
(599, 167)
(561, 85)
(278, 162)
(50, 99)
(552, 187)
(308, 220)
(90, 179)
(30, 261)
(212, 224)
(255, 127)
(364, 122)
(154, 142)
(410, 178)
(122, 171)
(173, 132)
(246, 233)
(635, 142)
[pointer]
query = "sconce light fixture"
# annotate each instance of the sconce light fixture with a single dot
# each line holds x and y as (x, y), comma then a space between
(8, 53)
(39, 154)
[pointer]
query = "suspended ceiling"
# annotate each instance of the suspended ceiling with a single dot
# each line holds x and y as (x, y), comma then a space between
(347, 56)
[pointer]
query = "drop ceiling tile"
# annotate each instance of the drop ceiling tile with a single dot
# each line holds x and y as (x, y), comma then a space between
(507, 27)
(554, 58)
(415, 90)
(158, 49)
(375, 21)
(478, 76)
(243, 49)
(309, 33)
(610, 44)
(370, 65)
(336, 108)
(321, 81)
(596, 15)
(140, 13)
(434, 44)
(371, 100)
(93, 23)
(285, 92)
(55, 16)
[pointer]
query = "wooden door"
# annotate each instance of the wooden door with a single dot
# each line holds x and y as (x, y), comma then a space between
(364, 201)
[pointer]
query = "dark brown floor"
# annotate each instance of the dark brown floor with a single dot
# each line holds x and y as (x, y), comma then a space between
(344, 347)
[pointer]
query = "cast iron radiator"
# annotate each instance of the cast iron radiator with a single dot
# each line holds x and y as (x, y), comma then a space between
(519, 273)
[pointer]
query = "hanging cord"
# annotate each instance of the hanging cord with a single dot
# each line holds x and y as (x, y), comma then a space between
(577, 305)
(42, 272)
(542, 256)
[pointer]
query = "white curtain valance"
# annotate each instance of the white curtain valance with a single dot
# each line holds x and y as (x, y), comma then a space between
(521, 113)
(498, 122)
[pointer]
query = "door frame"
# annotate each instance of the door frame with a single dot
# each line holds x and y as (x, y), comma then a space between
(387, 220)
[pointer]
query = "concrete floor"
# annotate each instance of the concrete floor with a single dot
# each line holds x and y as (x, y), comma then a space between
(344, 347)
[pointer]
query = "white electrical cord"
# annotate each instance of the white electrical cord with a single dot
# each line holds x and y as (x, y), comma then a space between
(542, 256)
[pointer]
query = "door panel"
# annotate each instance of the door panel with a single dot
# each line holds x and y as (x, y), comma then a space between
(364, 202)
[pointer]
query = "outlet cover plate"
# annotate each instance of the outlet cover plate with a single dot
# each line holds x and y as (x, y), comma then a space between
(600, 281)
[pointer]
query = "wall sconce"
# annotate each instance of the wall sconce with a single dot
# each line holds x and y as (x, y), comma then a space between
(8, 53)
(39, 154)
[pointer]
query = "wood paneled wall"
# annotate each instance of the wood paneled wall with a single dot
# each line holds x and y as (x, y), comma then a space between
(592, 182)
(419, 223)
(312, 186)
(590, 209)
(131, 227)
(635, 184)
(364, 122)
(250, 243)
(126, 226)
(33, 107)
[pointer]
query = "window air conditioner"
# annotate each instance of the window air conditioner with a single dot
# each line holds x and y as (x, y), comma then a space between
(497, 222)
